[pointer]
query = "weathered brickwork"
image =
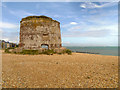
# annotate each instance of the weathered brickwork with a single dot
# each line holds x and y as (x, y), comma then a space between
(36, 31)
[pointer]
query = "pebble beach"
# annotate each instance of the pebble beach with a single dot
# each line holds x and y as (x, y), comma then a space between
(78, 70)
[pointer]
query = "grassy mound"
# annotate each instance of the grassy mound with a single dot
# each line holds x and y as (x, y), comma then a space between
(7, 49)
(36, 52)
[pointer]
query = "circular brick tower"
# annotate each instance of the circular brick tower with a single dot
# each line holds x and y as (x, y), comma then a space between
(36, 31)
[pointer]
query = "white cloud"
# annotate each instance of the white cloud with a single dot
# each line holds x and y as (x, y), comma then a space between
(9, 32)
(83, 5)
(10, 36)
(92, 31)
(99, 33)
(68, 24)
(8, 25)
(73, 23)
(94, 5)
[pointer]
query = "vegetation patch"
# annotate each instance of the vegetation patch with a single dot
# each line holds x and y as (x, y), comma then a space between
(36, 52)
(7, 50)
(60, 53)
(49, 52)
(30, 52)
(69, 52)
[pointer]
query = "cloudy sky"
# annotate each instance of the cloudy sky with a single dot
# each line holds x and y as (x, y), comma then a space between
(82, 24)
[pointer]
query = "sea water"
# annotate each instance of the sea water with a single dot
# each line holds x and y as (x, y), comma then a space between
(113, 51)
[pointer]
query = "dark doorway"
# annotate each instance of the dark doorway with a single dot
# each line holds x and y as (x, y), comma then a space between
(44, 46)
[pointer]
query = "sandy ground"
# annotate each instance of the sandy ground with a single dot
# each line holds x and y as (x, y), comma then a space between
(59, 71)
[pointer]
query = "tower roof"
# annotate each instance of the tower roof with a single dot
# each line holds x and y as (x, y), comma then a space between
(37, 17)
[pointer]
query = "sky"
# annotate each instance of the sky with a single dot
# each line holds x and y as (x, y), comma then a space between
(81, 23)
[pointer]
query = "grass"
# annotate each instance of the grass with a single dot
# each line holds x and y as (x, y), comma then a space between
(30, 52)
(49, 52)
(36, 52)
(7, 49)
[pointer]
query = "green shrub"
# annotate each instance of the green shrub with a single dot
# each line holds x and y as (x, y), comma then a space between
(63, 52)
(31, 52)
(11, 48)
(15, 52)
(59, 53)
(69, 52)
(7, 51)
(49, 52)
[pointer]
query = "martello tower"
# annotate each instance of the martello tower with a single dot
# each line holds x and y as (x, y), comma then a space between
(36, 31)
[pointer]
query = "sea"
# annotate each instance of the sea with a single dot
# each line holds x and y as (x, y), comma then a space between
(108, 50)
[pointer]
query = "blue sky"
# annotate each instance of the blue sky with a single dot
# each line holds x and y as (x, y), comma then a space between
(82, 24)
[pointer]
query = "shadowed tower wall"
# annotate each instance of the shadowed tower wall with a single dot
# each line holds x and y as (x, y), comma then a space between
(36, 31)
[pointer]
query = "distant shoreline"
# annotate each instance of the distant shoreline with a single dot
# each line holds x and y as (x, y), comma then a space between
(85, 52)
